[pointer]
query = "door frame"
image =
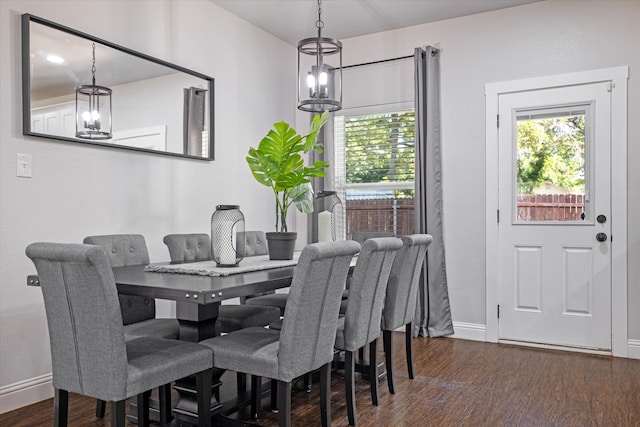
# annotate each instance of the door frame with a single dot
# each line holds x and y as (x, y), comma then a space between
(617, 76)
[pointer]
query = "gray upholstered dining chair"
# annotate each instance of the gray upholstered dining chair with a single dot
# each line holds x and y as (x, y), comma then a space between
(231, 317)
(400, 301)
(138, 313)
(308, 333)
(361, 323)
(89, 353)
(255, 243)
(360, 237)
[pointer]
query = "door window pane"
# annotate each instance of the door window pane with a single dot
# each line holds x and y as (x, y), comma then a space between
(551, 166)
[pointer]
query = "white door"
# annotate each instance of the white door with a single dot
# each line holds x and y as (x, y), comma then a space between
(554, 216)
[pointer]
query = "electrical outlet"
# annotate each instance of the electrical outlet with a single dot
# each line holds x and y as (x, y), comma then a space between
(23, 165)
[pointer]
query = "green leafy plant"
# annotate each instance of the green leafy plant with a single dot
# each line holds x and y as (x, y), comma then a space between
(277, 163)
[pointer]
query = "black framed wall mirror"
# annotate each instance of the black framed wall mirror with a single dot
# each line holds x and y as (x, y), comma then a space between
(79, 88)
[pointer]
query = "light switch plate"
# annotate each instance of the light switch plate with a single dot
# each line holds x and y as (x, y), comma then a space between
(23, 165)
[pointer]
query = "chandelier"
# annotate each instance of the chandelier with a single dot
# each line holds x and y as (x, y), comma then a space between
(93, 108)
(319, 83)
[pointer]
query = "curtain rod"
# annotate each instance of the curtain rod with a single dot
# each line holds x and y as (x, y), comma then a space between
(377, 62)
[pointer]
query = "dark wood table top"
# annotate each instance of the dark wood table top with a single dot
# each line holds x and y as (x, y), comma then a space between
(133, 280)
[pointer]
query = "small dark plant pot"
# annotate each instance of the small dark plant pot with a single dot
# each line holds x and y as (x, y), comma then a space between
(281, 245)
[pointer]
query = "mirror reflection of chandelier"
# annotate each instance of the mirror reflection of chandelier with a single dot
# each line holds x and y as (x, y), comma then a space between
(319, 84)
(93, 108)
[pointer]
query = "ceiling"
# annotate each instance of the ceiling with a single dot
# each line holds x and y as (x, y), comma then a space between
(113, 67)
(292, 20)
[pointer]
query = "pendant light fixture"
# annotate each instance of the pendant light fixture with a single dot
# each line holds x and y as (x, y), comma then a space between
(93, 108)
(319, 83)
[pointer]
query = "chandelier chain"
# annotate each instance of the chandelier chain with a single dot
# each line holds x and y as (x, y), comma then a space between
(93, 62)
(319, 22)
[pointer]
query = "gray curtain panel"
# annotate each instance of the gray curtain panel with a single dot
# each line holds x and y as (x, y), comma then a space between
(193, 119)
(433, 313)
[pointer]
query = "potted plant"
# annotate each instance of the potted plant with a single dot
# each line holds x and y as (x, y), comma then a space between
(278, 163)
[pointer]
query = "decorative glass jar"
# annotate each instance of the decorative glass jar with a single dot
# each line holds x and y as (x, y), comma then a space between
(227, 224)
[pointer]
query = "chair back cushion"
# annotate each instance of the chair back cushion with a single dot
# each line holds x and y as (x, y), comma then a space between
(367, 293)
(400, 302)
(83, 315)
(255, 243)
(309, 328)
(188, 247)
(123, 250)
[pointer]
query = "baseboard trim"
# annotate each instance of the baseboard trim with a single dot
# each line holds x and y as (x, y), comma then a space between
(478, 332)
(469, 331)
(555, 347)
(633, 349)
(27, 392)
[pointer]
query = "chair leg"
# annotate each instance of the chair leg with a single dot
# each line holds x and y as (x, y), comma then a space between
(388, 357)
(408, 341)
(118, 413)
(256, 396)
(241, 380)
(325, 395)
(101, 407)
(164, 392)
(308, 379)
(274, 396)
(204, 381)
(350, 386)
(373, 371)
(61, 407)
(143, 408)
(284, 404)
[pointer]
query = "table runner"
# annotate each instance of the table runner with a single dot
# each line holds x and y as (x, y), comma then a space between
(209, 268)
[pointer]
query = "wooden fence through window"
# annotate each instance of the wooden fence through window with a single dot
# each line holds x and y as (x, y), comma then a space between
(395, 215)
(550, 207)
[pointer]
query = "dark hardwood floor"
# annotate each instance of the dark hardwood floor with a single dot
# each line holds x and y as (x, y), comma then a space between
(457, 383)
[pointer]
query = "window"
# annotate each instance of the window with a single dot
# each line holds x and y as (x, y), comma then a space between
(552, 178)
(374, 169)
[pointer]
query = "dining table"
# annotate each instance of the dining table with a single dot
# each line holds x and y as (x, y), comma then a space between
(198, 296)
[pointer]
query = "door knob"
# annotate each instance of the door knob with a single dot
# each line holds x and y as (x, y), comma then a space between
(601, 219)
(601, 237)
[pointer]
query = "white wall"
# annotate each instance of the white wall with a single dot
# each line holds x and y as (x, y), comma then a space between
(78, 190)
(539, 39)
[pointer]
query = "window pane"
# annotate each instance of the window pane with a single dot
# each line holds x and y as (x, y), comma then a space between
(374, 171)
(379, 148)
(550, 166)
